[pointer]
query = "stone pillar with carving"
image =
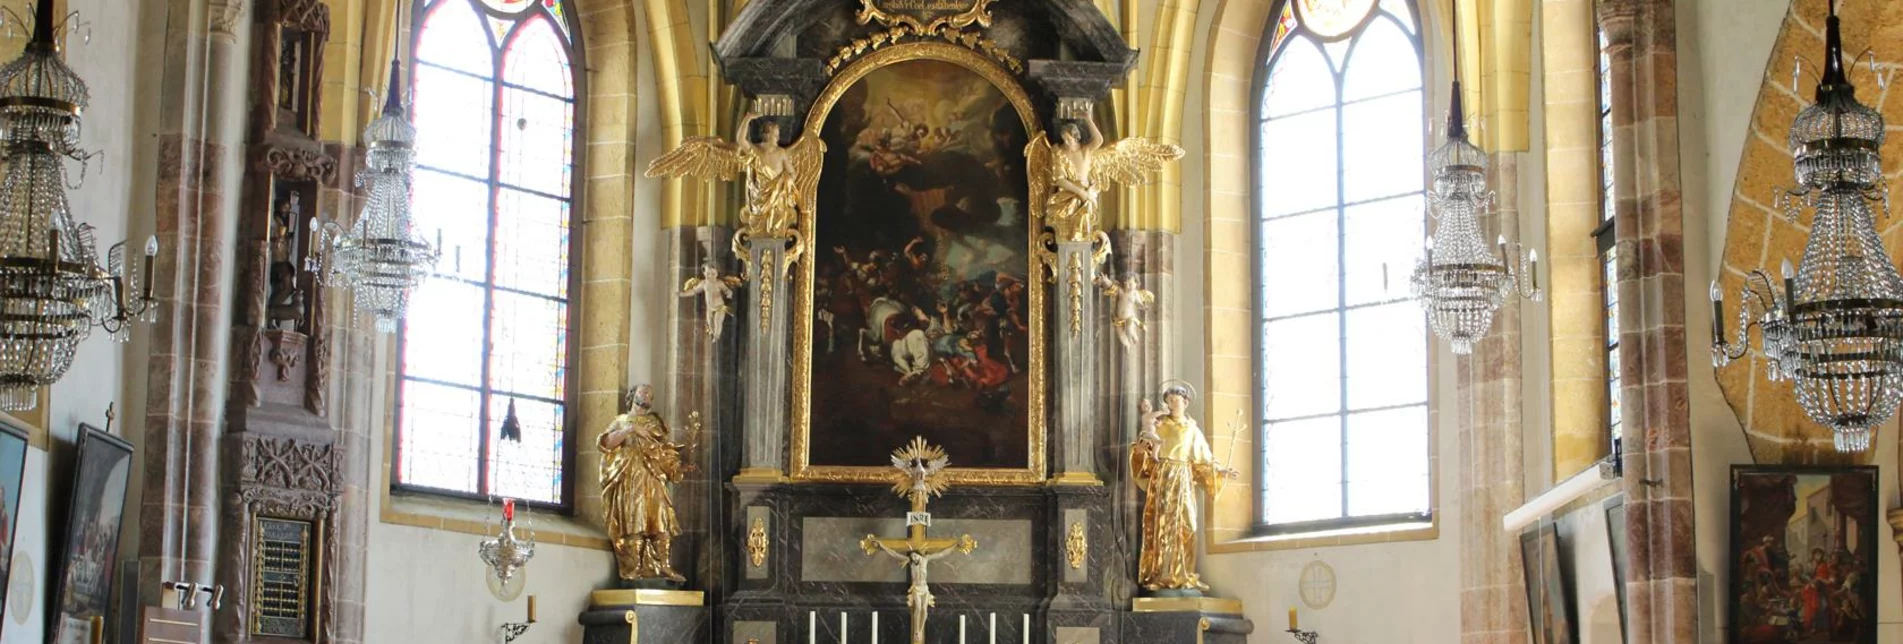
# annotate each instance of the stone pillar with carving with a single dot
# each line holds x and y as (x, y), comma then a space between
(766, 362)
(1073, 349)
(284, 466)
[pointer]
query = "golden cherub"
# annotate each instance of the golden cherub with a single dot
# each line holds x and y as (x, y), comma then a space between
(1068, 176)
(782, 180)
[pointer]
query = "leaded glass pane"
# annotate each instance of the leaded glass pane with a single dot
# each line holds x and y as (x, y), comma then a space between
(1300, 182)
(1382, 147)
(538, 60)
(496, 148)
(1294, 246)
(531, 469)
(1340, 220)
(452, 37)
(453, 119)
(1387, 49)
(1303, 470)
(1299, 81)
(439, 436)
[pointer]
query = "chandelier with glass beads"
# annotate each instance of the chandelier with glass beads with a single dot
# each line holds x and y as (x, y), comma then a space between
(380, 257)
(1835, 327)
(53, 291)
(1460, 280)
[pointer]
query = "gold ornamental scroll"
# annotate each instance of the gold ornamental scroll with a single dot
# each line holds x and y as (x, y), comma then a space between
(1035, 387)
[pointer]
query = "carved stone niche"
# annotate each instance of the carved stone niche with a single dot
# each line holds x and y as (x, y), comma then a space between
(279, 567)
(278, 335)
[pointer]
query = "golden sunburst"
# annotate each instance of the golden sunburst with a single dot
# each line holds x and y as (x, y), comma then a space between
(921, 471)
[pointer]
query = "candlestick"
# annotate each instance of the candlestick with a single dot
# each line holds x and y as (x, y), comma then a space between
(812, 627)
(1533, 271)
(1717, 313)
(531, 609)
(1790, 287)
(1027, 628)
(842, 627)
(508, 509)
(961, 629)
(994, 628)
(1291, 618)
(1305, 637)
(98, 626)
(875, 627)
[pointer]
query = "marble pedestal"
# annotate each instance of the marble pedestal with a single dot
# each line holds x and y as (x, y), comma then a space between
(1206, 620)
(661, 616)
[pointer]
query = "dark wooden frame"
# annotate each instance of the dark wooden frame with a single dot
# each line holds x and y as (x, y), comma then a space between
(1620, 553)
(91, 441)
(1259, 90)
(1539, 539)
(572, 37)
(10, 432)
(1866, 541)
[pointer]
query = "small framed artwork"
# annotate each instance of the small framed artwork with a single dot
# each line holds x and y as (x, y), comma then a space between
(1548, 609)
(1803, 554)
(13, 442)
(82, 588)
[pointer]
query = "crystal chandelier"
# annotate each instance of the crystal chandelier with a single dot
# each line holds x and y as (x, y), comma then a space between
(380, 258)
(1461, 281)
(1836, 326)
(52, 289)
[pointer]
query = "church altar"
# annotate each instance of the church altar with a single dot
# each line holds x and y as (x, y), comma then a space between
(908, 352)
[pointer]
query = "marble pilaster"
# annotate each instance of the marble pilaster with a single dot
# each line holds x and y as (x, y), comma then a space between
(1073, 341)
(700, 380)
(767, 367)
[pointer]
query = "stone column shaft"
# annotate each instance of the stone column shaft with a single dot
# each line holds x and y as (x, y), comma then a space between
(767, 365)
(1073, 345)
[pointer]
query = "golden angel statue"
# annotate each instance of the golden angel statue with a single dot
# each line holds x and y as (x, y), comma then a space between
(639, 459)
(1171, 461)
(782, 180)
(1067, 177)
(715, 291)
(1131, 300)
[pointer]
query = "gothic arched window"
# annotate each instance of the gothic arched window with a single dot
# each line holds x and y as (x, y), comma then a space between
(487, 337)
(1341, 350)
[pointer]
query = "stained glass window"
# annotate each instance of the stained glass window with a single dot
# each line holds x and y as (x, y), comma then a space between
(1341, 370)
(488, 335)
(1604, 236)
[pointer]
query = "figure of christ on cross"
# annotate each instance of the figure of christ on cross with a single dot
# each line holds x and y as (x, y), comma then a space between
(918, 552)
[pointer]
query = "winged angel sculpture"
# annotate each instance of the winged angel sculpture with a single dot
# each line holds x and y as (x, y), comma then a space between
(1067, 177)
(782, 180)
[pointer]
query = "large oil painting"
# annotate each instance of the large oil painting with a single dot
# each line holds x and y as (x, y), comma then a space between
(923, 317)
(1803, 554)
(83, 589)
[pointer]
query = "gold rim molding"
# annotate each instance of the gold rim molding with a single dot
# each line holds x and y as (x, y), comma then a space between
(802, 468)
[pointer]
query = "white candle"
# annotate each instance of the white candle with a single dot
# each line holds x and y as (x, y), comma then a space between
(875, 627)
(994, 628)
(812, 628)
(842, 627)
(1027, 628)
(961, 629)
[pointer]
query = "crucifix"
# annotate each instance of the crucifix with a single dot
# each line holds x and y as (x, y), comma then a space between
(921, 476)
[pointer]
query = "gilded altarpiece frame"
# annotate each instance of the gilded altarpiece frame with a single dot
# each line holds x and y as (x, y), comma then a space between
(1031, 363)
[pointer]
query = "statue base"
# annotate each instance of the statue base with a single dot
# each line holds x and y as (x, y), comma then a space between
(1210, 620)
(645, 615)
(648, 584)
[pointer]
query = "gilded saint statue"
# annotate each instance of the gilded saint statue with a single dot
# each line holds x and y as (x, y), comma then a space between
(639, 459)
(1172, 463)
(1070, 175)
(782, 180)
